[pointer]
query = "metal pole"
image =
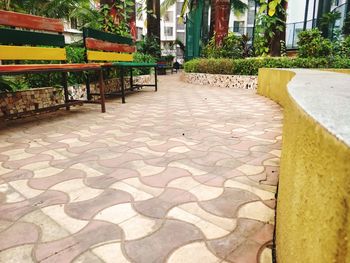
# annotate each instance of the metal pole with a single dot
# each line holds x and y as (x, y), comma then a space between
(313, 15)
(293, 35)
(255, 9)
(306, 14)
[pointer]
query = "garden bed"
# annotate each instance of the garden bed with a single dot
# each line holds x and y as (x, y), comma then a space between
(19, 102)
(222, 81)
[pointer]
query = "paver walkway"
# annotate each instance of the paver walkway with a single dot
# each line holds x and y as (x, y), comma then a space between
(187, 174)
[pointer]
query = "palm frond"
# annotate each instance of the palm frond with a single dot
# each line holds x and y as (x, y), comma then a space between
(165, 6)
(185, 7)
(238, 7)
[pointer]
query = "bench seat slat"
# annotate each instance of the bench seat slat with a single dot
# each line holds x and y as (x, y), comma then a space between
(108, 56)
(108, 37)
(96, 44)
(6, 69)
(19, 37)
(8, 18)
(31, 53)
(133, 64)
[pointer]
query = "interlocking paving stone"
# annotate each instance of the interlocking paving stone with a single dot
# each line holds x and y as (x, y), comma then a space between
(187, 174)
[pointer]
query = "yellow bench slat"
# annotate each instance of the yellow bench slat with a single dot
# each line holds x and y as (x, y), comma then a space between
(108, 56)
(31, 53)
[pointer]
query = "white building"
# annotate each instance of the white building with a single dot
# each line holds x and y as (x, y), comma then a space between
(243, 24)
(171, 28)
(296, 16)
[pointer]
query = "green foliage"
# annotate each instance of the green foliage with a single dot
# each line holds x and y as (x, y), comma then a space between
(103, 20)
(232, 47)
(149, 46)
(75, 55)
(346, 47)
(327, 23)
(49, 8)
(269, 22)
(250, 66)
(140, 57)
(12, 83)
(313, 45)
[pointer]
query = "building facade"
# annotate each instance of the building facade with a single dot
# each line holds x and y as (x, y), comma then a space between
(172, 28)
(314, 10)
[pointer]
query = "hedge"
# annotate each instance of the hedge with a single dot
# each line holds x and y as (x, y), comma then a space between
(250, 66)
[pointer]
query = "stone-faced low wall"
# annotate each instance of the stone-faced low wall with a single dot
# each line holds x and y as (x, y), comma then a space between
(114, 85)
(12, 103)
(222, 81)
(28, 100)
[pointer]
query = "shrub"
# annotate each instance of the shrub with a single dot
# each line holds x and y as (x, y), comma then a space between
(346, 47)
(150, 46)
(140, 57)
(313, 45)
(251, 66)
(232, 47)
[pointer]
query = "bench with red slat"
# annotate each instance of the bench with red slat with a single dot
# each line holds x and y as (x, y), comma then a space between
(96, 44)
(8, 69)
(20, 42)
(30, 22)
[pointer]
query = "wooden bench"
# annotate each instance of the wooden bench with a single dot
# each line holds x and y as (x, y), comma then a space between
(28, 37)
(116, 52)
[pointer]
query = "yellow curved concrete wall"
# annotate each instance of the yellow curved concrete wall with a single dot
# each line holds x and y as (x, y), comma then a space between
(313, 210)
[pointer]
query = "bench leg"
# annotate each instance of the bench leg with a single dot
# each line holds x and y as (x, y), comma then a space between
(88, 90)
(155, 79)
(65, 88)
(122, 83)
(131, 79)
(102, 91)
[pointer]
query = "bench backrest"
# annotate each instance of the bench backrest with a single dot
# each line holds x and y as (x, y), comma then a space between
(103, 46)
(27, 34)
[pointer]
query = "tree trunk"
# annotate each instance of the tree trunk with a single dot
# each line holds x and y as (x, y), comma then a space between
(324, 7)
(153, 19)
(222, 17)
(275, 43)
(132, 23)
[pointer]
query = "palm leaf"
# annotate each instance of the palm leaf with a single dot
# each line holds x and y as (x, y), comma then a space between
(165, 6)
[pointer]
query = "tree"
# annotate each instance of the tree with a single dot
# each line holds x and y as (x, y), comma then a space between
(271, 27)
(50, 8)
(220, 17)
(153, 19)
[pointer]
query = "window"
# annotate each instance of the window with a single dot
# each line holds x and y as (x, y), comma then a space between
(238, 27)
(73, 23)
(139, 33)
(168, 31)
(169, 16)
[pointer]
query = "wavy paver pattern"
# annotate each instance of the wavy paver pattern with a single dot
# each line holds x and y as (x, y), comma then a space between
(187, 174)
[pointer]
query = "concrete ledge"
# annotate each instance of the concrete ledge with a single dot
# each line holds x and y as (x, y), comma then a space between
(221, 81)
(313, 210)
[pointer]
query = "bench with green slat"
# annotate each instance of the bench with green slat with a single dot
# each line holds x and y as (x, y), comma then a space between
(18, 37)
(117, 51)
(18, 43)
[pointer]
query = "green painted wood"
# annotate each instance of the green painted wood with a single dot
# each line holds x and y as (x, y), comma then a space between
(19, 37)
(134, 64)
(108, 37)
